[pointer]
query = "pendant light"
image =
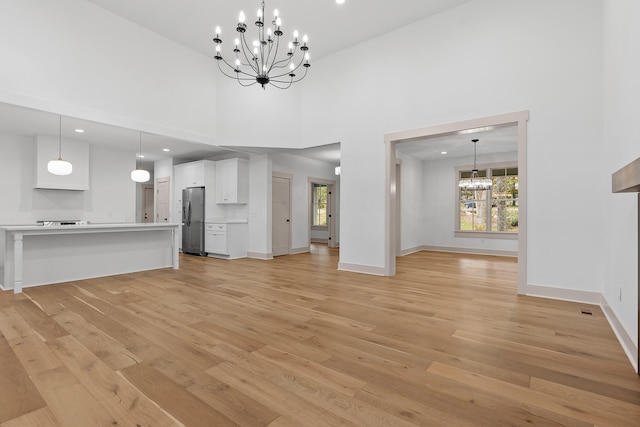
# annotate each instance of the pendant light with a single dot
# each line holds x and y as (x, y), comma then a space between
(139, 174)
(59, 166)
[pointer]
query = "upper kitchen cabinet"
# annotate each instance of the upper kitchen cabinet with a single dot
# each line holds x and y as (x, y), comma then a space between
(193, 174)
(232, 181)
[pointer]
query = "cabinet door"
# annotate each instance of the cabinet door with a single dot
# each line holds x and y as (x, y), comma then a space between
(232, 181)
(216, 242)
(198, 172)
(224, 171)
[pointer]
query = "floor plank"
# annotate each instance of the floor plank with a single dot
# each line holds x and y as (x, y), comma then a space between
(295, 342)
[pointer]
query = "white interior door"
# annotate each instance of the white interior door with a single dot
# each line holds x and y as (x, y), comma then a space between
(281, 215)
(147, 203)
(162, 199)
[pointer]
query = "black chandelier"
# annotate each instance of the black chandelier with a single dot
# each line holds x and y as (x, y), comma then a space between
(258, 62)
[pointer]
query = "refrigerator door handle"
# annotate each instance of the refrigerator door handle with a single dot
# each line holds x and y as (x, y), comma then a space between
(189, 213)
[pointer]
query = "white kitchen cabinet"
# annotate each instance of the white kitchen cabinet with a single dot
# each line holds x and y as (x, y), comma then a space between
(226, 240)
(194, 174)
(215, 239)
(232, 181)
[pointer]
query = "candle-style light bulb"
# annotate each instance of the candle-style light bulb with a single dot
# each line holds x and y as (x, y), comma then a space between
(305, 39)
(260, 14)
(278, 22)
(217, 31)
(295, 35)
(242, 18)
(237, 42)
(276, 13)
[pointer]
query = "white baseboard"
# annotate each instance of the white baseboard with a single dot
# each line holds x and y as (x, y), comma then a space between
(319, 240)
(492, 252)
(622, 334)
(365, 269)
(302, 250)
(563, 294)
(258, 255)
(408, 251)
(594, 298)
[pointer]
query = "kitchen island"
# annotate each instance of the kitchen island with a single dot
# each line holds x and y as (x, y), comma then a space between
(33, 255)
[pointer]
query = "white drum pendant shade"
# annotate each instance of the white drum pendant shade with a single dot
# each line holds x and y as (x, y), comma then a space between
(140, 175)
(59, 167)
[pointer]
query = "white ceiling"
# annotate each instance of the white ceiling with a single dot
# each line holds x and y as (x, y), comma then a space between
(16, 120)
(503, 139)
(331, 28)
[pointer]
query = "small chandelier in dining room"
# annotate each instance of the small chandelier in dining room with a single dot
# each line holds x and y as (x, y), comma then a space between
(475, 182)
(139, 174)
(258, 61)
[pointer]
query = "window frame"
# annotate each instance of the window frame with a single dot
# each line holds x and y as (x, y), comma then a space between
(507, 235)
(313, 204)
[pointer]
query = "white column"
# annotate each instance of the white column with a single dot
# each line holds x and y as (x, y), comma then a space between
(17, 262)
(174, 249)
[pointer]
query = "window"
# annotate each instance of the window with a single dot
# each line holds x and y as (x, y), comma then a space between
(492, 210)
(319, 205)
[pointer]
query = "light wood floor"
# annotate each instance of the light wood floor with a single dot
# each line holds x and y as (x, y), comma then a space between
(294, 342)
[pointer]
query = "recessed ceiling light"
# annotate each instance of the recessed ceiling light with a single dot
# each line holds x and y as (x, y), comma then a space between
(79, 130)
(339, 1)
(443, 152)
(166, 149)
(141, 156)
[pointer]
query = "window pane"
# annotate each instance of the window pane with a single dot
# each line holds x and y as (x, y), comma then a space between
(473, 210)
(504, 203)
(319, 205)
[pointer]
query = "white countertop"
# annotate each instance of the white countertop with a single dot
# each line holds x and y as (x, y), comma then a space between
(227, 221)
(96, 227)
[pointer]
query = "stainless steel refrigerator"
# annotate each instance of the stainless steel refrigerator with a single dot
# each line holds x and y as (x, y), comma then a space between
(193, 221)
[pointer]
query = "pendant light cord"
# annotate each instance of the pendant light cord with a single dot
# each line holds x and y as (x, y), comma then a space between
(140, 153)
(60, 140)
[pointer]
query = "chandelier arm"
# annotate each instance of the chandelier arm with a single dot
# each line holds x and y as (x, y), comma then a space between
(292, 80)
(236, 76)
(279, 87)
(285, 62)
(275, 55)
(295, 69)
(245, 48)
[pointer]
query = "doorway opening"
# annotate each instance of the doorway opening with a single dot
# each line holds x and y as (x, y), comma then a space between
(323, 213)
(392, 217)
(148, 202)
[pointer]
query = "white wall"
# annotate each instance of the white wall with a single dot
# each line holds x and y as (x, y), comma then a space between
(111, 197)
(483, 58)
(260, 170)
(76, 59)
(302, 169)
(621, 95)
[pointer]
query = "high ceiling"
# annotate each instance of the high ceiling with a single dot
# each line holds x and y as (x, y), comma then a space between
(331, 28)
